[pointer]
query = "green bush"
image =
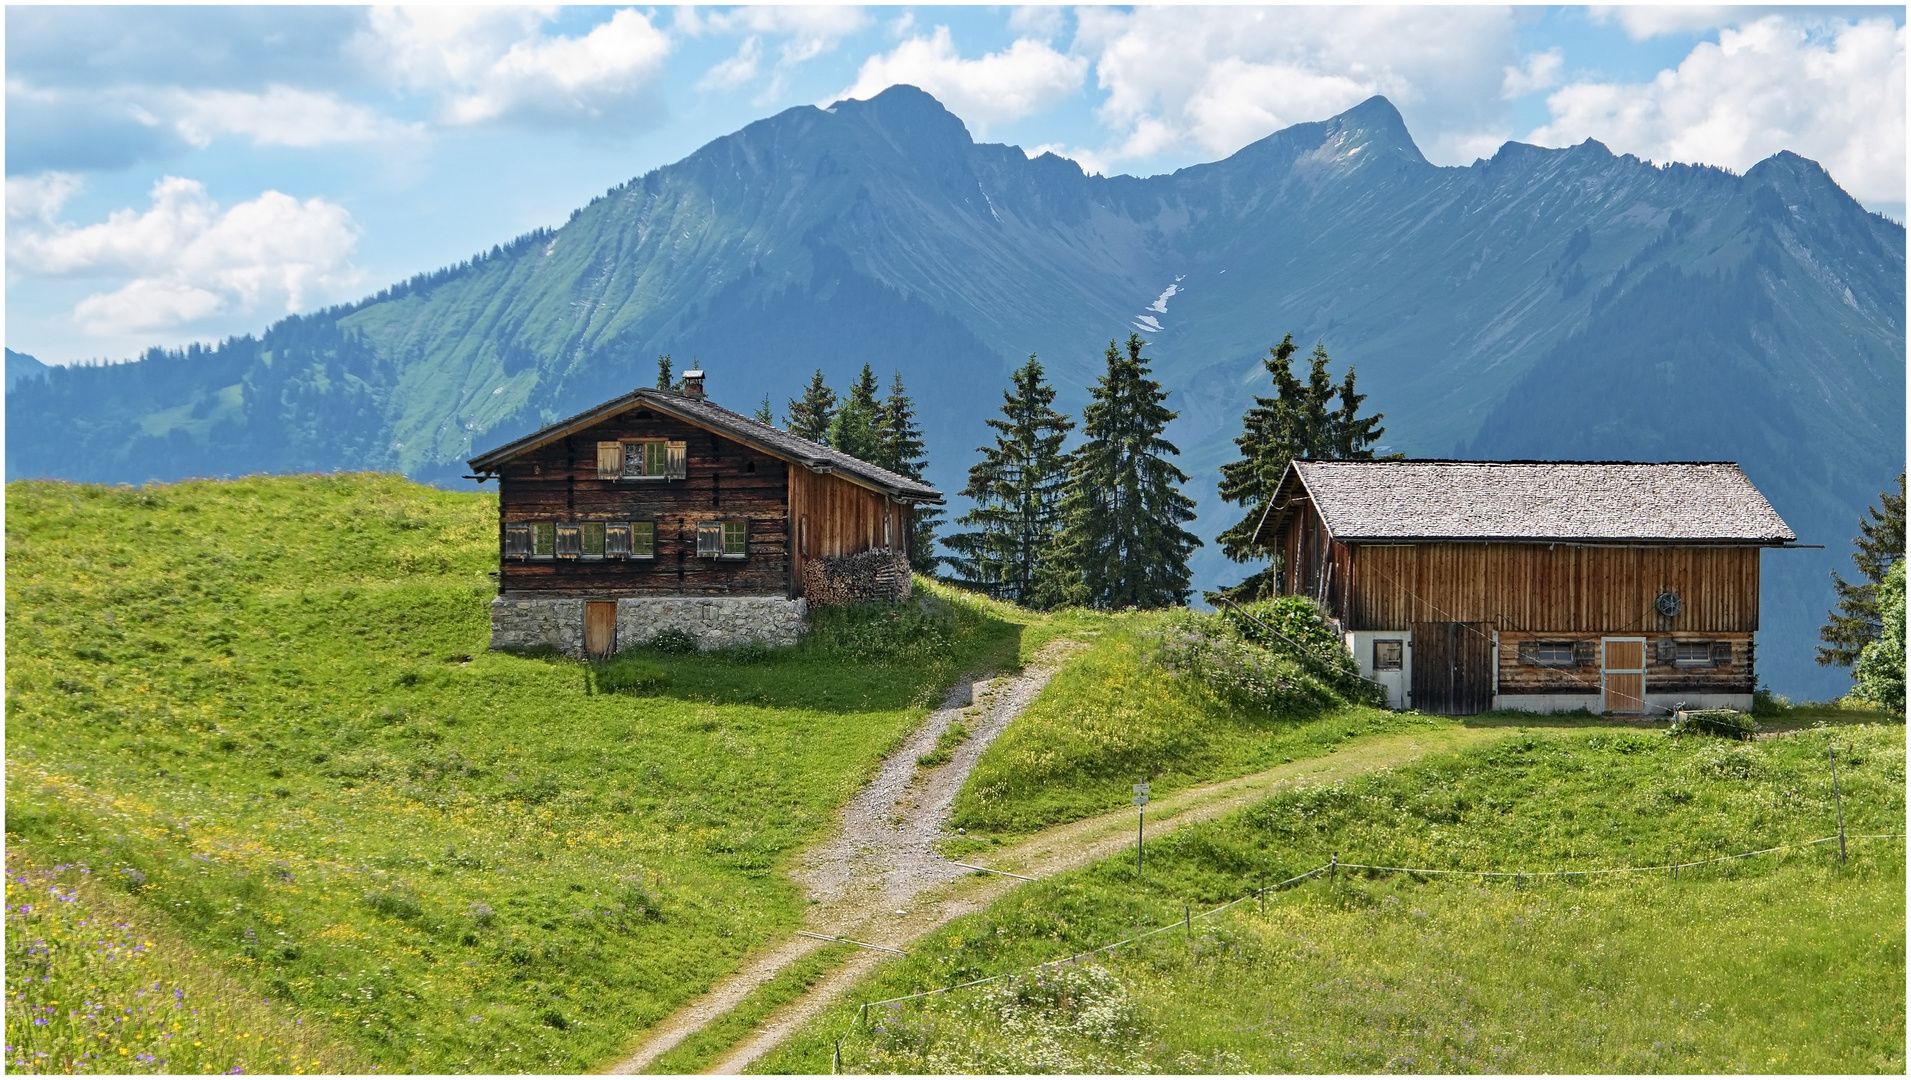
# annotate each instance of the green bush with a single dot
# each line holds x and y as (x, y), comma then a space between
(911, 632)
(673, 641)
(1301, 641)
(1204, 650)
(1729, 723)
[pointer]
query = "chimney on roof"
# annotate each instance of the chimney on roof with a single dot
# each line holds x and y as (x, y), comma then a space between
(693, 384)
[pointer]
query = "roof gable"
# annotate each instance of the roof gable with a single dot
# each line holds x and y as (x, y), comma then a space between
(713, 417)
(1535, 501)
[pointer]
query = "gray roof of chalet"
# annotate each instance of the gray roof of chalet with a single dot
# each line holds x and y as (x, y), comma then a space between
(713, 417)
(1623, 501)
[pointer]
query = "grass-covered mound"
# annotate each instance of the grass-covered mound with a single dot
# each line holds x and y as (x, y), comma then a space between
(1172, 698)
(1790, 963)
(264, 710)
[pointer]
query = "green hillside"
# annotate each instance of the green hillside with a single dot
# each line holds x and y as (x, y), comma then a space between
(262, 712)
(1791, 962)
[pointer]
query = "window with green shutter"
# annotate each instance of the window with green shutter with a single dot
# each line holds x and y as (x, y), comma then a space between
(643, 539)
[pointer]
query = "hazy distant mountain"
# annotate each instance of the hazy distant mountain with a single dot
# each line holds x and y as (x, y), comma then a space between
(1545, 303)
(21, 366)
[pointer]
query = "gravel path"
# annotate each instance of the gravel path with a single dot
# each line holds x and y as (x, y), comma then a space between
(883, 858)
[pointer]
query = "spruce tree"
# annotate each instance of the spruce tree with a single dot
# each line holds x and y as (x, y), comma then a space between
(664, 376)
(1857, 622)
(853, 429)
(1122, 542)
(899, 449)
(763, 414)
(1009, 551)
(1299, 423)
(809, 416)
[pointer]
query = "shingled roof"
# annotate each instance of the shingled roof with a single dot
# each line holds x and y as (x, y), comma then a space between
(1622, 501)
(713, 417)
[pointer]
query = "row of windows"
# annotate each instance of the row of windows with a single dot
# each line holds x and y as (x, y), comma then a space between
(728, 538)
(1685, 654)
(641, 459)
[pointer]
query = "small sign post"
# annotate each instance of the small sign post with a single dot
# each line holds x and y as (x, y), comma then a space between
(1141, 817)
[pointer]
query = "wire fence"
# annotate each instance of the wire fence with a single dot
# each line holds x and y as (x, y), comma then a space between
(1332, 866)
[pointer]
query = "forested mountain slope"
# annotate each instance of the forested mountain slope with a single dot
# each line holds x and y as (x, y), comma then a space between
(1544, 303)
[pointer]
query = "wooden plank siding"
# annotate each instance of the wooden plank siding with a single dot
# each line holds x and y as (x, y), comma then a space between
(724, 479)
(831, 517)
(1733, 677)
(1551, 588)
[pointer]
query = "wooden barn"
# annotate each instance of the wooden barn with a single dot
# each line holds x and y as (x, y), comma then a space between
(1546, 586)
(662, 510)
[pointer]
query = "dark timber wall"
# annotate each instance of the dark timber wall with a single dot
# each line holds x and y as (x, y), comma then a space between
(724, 479)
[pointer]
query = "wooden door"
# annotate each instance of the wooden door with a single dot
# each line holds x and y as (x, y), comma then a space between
(1624, 674)
(1452, 668)
(600, 627)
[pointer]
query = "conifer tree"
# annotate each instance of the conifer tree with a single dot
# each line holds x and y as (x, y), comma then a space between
(1009, 551)
(1857, 621)
(809, 416)
(1122, 542)
(1299, 423)
(664, 376)
(763, 415)
(899, 449)
(853, 429)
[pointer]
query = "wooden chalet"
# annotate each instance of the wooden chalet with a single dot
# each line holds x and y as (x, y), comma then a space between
(665, 495)
(1547, 586)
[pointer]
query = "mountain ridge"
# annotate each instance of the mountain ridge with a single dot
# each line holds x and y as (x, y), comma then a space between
(879, 231)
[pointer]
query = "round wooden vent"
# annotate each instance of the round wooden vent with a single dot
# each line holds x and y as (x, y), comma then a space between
(1668, 604)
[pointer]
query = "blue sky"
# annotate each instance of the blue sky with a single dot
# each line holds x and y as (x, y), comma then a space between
(179, 174)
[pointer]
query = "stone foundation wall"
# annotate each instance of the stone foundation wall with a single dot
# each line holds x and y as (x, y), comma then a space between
(528, 622)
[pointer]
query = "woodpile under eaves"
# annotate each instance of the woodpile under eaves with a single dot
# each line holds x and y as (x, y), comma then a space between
(873, 576)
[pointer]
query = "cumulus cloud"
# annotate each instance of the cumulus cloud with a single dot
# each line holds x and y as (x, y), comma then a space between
(281, 116)
(1212, 80)
(39, 198)
(1539, 72)
(1025, 78)
(496, 65)
(189, 259)
(1642, 21)
(1835, 95)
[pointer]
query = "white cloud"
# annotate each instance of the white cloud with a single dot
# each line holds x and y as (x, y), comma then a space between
(38, 198)
(1025, 78)
(189, 260)
(1036, 20)
(1642, 21)
(1539, 72)
(1210, 80)
(496, 64)
(1837, 97)
(282, 116)
(807, 32)
(736, 70)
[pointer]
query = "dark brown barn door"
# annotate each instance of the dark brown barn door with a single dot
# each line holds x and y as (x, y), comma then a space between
(600, 627)
(1452, 668)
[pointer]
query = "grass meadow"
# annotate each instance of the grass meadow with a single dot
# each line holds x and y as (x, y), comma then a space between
(1781, 963)
(1112, 718)
(263, 715)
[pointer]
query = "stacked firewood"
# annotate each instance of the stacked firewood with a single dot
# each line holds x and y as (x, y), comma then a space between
(876, 575)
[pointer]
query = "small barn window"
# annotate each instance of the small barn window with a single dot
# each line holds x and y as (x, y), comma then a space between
(1690, 654)
(517, 541)
(1552, 654)
(543, 538)
(643, 539)
(593, 539)
(729, 539)
(569, 540)
(1388, 655)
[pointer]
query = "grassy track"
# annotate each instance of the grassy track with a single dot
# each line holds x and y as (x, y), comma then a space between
(264, 710)
(1793, 963)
